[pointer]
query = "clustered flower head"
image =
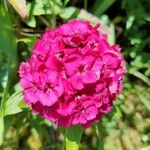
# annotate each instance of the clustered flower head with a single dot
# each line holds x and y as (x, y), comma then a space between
(73, 75)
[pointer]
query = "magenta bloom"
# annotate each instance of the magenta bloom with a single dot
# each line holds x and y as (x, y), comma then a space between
(73, 75)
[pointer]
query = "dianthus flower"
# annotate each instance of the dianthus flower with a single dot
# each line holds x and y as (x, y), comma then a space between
(73, 75)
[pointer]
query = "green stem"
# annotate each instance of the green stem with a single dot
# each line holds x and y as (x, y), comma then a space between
(53, 21)
(53, 15)
(2, 109)
(8, 47)
(1, 129)
(100, 136)
(71, 145)
(85, 4)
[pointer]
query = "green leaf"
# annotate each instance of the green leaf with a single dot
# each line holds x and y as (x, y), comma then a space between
(69, 12)
(140, 76)
(73, 137)
(31, 22)
(136, 9)
(23, 105)
(42, 7)
(143, 95)
(7, 44)
(66, 2)
(111, 36)
(100, 6)
(28, 40)
(110, 24)
(130, 22)
(12, 104)
(48, 123)
(145, 101)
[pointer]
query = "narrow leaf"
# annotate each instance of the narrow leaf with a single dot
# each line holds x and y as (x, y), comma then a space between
(101, 6)
(140, 76)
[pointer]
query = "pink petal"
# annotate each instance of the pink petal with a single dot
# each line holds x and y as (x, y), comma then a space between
(88, 61)
(91, 113)
(105, 100)
(97, 66)
(66, 109)
(113, 87)
(82, 118)
(75, 120)
(72, 63)
(111, 60)
(51, 115)
(47, 99)
(76, 81)
(59, 90)
(89, 77)
(52, 77)
(30, 96)
(100, 86)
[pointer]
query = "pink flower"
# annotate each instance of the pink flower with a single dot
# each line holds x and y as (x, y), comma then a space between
(85, 111)
(73, 75)
(83, 70)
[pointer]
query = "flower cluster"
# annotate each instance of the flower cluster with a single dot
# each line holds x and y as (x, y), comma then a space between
(73, 75)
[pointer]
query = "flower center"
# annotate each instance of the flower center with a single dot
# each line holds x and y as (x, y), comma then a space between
(93, 45)
(33, 86)
(81, 68)
(40, 57)
(48, 87)
(60, 55)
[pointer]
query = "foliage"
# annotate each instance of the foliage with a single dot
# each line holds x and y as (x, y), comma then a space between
(128, 125)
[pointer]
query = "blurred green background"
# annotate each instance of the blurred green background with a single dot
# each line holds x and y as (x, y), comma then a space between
(127, 127)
